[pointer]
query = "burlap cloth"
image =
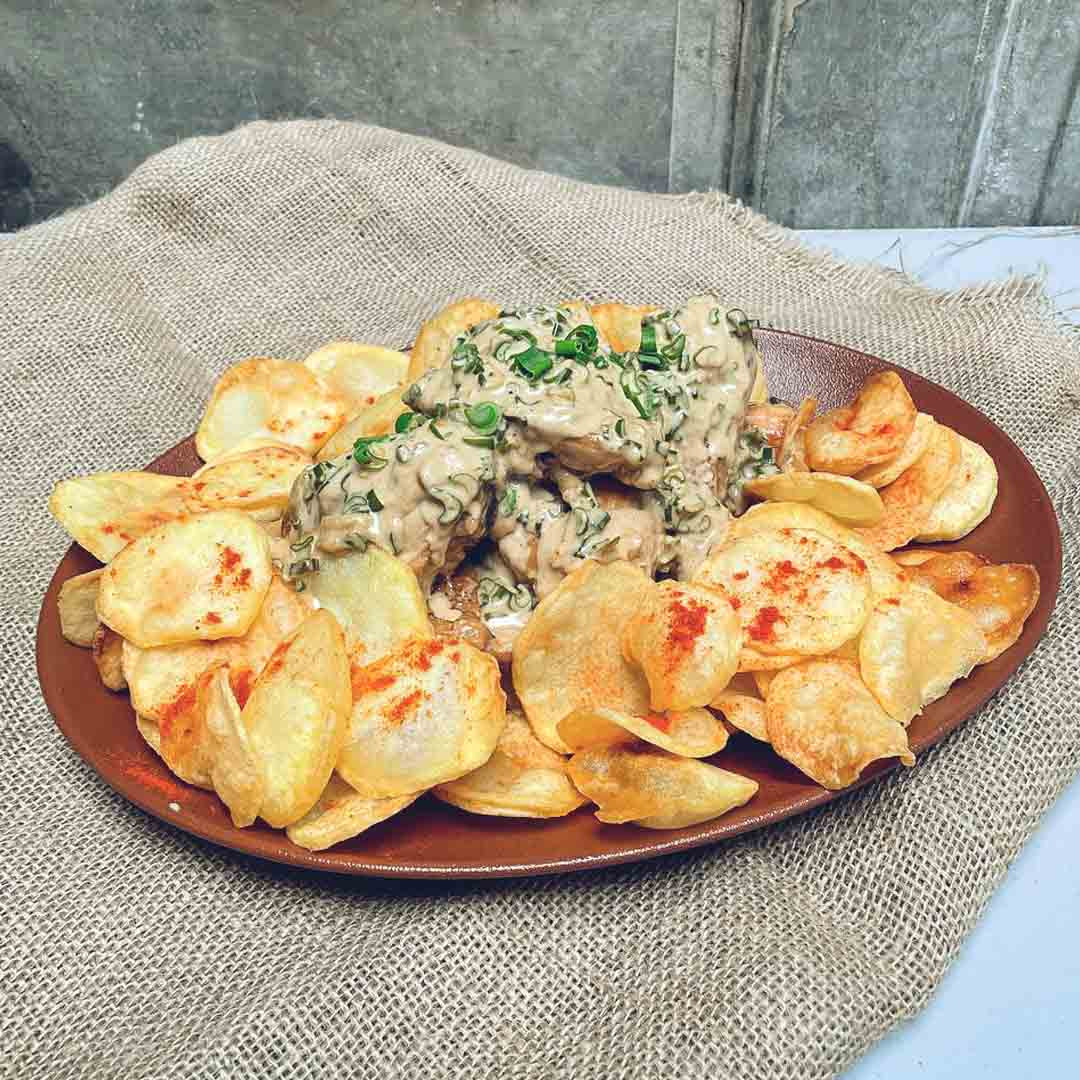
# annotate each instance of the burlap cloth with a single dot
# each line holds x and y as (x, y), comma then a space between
(129, 949)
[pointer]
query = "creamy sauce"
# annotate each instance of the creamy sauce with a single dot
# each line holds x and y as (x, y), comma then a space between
(504, 438)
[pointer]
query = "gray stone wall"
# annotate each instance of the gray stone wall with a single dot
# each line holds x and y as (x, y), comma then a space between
(818, 112)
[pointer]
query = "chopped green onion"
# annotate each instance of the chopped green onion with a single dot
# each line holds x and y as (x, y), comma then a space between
(508, 502)
(436, 432)
(364, 455)
(620, 428)
(639, 393)
(741, 324)
(533, 362)
(407, 421)
(484, 417)
(486, 442)
(374, 501)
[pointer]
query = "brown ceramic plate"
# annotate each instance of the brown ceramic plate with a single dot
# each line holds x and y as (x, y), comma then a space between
(433, 840)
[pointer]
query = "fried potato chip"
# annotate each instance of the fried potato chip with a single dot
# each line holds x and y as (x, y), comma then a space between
(376, 419)
(743, 711)
(197, 578)
(256, 482)
(108, 647)
(686, 639)
(429, 712)
(913, 647)
(909, 499)
(886, 472)
(796, 591)
(181, 735)
(763, 680)
(620, 324)
(569, 653)
(340, 814)
(968, 497)
(791, 456)
(694, 733)
(751, 662)
(917, 556)
(821, 717)
(655, 789)
(245, 446)
(148, 729)
(106, 511)
(848, 500)
(873, 429)
(358, 374)
(267, 398)
(759, 392)
(437, 336)
(348, 585)
(297, 716)
(522, 778)
(999, 597)
(77, 603)
(231, 763)
(771, 422)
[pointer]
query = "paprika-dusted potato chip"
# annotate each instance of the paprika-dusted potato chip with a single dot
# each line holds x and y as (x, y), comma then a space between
(522, 778)
(296, 718)
(752, 662)
(108, 649)
(692, 733)
(148, 729)
(375, 419)
(231, 763)
(77, 603)
(268, 398)
(883, 474)
(821, 717)
(436, 339)
(909, 499)
(913, 647)
(655, 789)
(358, 374)
(968, 497)
(569, 653)
(796, 591)
(848, 500)
(763, 680)
(181, 734)
(257, 481)
(106, 511)
(686, 639)
(744, 711)
(620, 324)
(428, 712)
(245, 446)
(196, 578)
(874, 428)
(340, 814)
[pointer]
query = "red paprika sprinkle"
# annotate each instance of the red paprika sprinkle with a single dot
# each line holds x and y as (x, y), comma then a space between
(762, 628)
(659, 721)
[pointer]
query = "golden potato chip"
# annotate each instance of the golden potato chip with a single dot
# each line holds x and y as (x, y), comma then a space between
(848, 500)
(297, 716)
(245, 446)
(106, 511)
(197, 578)
(909, 499)
(376, 419)
(913, 647)
(429, 712)
(620, 324)
(999, 597)
(148, 729)
(569, 653)
(340, 814)
(763, 680)
(256, 482)
(886, 472)
(968, 497)
(267, 398)
(694, 733)
(792, 454)
(917, 556)
(744, 712)
(231, 763)
(759, 392)
(686, 640)
(437, 336)
(181, 735)
(655, 789)
(795, 590)
(771, 422)
(752, 662)
(821, 717)
(78, 608)
(108, 649)
(522, 778)
(874, 428)
(358, 374)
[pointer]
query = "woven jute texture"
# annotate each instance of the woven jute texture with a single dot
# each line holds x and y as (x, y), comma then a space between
(128, 949)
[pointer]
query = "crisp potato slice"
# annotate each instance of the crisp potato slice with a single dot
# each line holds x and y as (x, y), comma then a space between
(763, 680)
(772, 422)
(231, 763)
(108, 647)
(569, 653)
(968, 497)
(792, 454)
(437, 336)
(348, 584)
(197, 578)
(796, 591)
(686, 639)
(743, 711)
(245, 446)
(267, 398)
(874, 428)
(180, 734)
(917, 556)
(759, 392)
(848, 500)
(694, 733)
(655, 789)
(376, 419)
(340, 814)
(358, 374)
(821, 717)
(886, 472)
(913, 648)
(296, 718)
(522, 778)
(752, 662)
(78, 608)
(257, 482)
(429, 712)
(150, 733)
(909, 499)
(620, 324)
(106, 511)
(999, 597)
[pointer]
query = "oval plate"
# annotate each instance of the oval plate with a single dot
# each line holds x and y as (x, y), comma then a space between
(433, 840)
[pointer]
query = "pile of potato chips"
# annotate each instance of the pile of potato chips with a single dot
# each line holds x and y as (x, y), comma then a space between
(328, 710)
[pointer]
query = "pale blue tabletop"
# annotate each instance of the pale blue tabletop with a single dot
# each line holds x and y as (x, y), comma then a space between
(1010, 1005)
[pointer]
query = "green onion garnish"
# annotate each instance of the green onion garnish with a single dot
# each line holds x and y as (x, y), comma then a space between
(364, 455)
(484, 417)
(533, 362)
